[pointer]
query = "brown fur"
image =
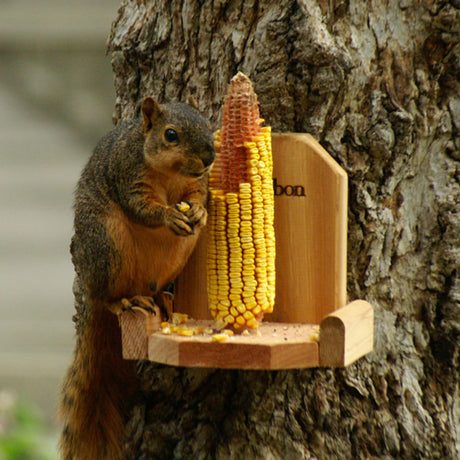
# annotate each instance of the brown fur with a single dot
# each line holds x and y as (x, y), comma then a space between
(147, 255)
(129, 240)
(98, 386)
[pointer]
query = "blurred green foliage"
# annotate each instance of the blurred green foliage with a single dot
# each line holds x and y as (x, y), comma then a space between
(23, 433)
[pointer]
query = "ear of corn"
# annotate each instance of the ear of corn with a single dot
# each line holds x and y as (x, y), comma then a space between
(241, 236)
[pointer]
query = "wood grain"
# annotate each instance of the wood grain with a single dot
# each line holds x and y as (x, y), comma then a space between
(310, 231)
(279, 346)
(347, 334)
(190, 288)
(136, 327)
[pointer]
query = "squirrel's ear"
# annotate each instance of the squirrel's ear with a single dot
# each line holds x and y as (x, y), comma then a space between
(150, 110)
(193, 102)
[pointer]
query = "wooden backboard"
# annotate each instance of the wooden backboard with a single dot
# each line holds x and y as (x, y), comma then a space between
(311, 197)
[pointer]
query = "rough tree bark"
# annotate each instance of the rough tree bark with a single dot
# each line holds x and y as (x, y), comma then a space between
(378, 84)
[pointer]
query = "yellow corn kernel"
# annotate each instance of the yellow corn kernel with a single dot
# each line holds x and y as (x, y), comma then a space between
(252, 323)
(184, 331)
(220, 316)
(182, 206)
(241, 308)
(229, 319)
(166, 330)
(179, 318)
(240, 320)
(219, 337)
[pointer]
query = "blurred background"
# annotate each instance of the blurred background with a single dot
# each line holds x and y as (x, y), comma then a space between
(56, 100)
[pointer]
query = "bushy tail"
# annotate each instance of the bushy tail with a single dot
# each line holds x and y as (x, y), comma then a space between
(96, 392)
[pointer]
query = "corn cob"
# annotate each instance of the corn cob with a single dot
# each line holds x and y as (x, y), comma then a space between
(241, 236)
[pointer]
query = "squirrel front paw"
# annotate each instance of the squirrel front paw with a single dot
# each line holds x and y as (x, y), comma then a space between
(195, 212)
(178, 222)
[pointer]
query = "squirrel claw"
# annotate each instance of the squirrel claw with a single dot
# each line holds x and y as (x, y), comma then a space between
(196, 214)
(179, 223)
(160, 303)
(139, 302)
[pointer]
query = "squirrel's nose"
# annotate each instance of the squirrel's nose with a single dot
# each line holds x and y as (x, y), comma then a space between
(208, 157)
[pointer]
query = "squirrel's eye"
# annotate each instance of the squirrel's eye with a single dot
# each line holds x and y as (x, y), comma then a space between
(171, 135)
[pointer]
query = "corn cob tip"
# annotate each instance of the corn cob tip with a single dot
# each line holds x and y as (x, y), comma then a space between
(240, 81)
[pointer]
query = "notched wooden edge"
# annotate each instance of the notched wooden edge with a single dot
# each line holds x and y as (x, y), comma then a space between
(137, 325)
(346, 334)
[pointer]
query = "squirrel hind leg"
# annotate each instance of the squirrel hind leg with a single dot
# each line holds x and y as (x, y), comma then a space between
(164, 300)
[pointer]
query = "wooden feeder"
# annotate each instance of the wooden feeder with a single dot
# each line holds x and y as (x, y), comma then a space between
(312, 325)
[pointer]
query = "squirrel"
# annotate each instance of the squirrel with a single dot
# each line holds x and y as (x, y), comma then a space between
(131, 238)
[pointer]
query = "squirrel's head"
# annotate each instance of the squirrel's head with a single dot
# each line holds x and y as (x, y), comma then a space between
(177, 137)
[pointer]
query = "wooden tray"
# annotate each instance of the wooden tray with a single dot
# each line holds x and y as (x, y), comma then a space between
(311, 192)
(342, 337)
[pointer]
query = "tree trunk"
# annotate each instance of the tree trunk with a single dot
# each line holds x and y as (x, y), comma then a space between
(378, 84)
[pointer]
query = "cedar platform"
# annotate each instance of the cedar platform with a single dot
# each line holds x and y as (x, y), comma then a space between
(342, 338)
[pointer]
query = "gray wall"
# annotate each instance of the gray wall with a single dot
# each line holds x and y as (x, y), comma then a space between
(56, 99)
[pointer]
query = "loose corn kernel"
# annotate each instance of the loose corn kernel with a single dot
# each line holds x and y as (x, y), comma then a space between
(182, 206)
(185, 331)
(166, 330)
(219, 337)
(179, 318)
